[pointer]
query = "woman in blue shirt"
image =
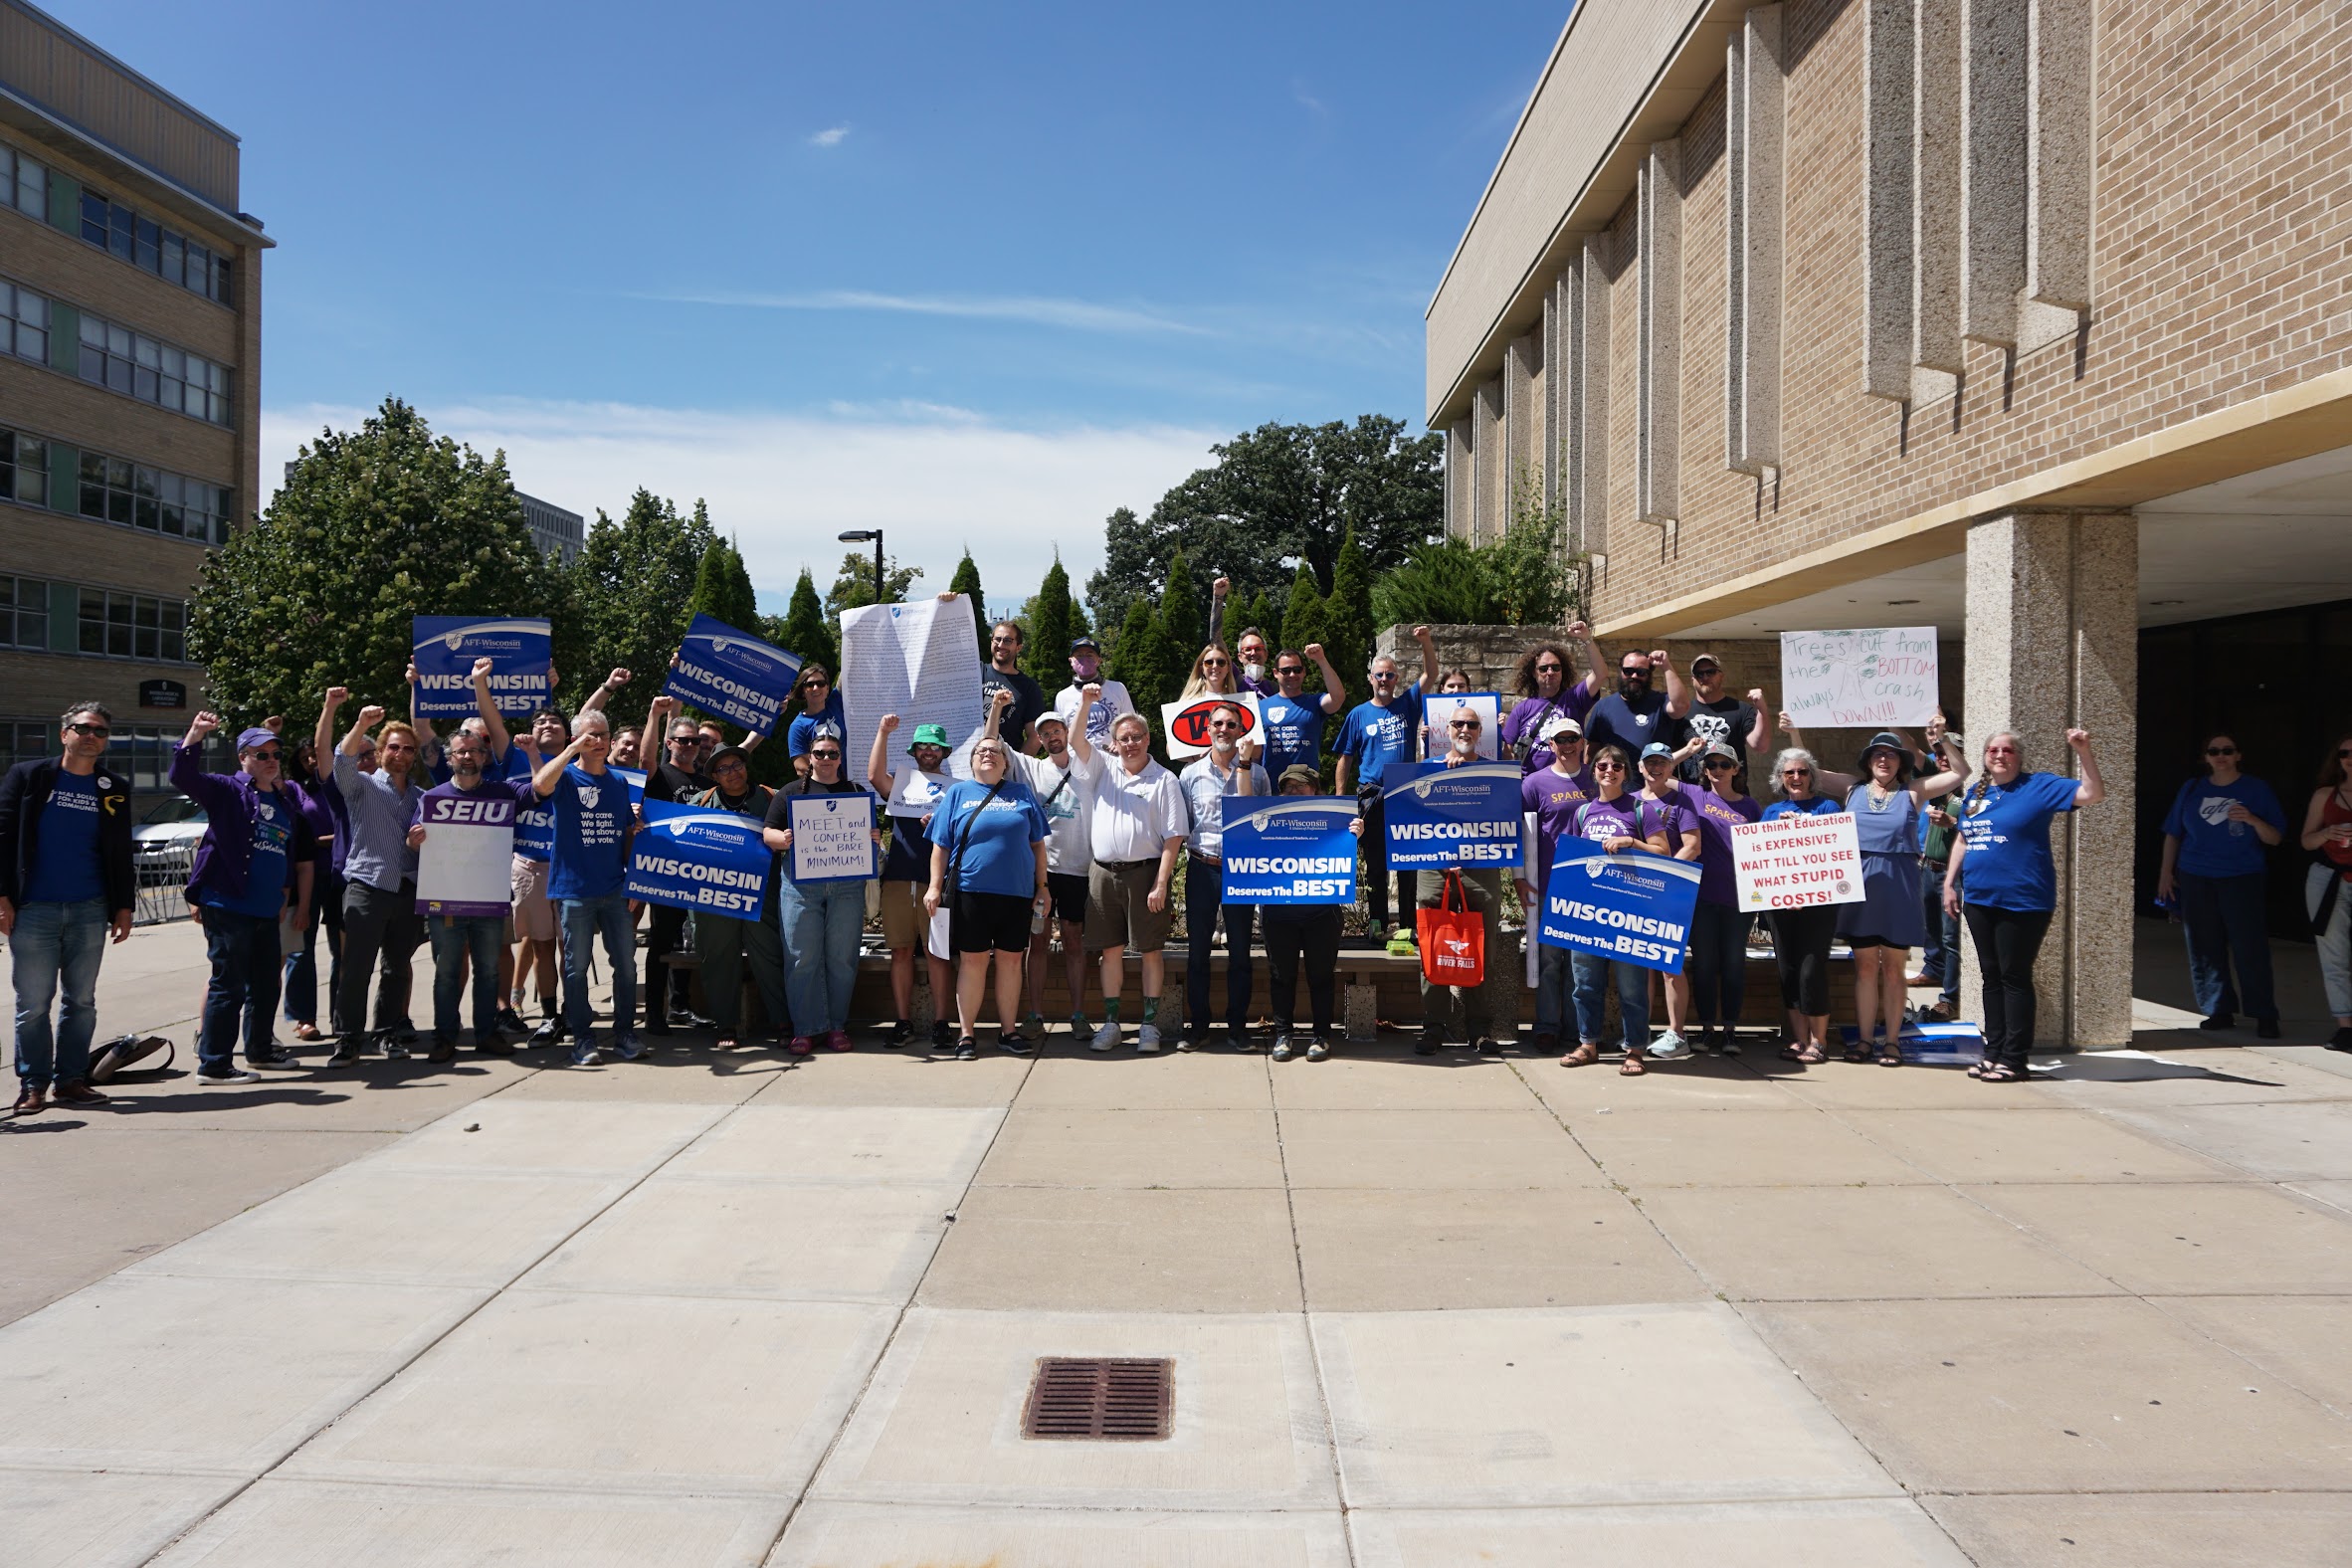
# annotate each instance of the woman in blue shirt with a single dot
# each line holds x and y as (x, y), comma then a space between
(2214, 838)
(2012, 885)
(1800, 937)
(988, 871)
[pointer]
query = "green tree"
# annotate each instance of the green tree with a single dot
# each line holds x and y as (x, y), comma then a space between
(372, 528)
(805, 630)
(852, 585)
(722, 585)
(967, 581)
(1260, 615)
(1183, 624)
(1045, 655)
(1443, 584)
(1146, 664)
(631, 585)
(1523, 578)
(1347, 613)
(1303, 623)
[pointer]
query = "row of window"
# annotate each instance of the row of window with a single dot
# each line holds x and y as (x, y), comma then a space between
(24, 323)
(108, 624)
(116, 490)
(111, 226)
(118, 358)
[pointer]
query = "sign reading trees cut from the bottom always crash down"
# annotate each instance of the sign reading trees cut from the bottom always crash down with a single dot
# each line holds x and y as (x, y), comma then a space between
(1794, 862)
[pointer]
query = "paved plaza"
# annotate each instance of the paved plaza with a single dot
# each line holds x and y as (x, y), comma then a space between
(708, 1309)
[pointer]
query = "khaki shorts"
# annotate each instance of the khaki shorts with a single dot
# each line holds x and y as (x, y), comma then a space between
(534, 917)
(1119, 912)
(905, 922)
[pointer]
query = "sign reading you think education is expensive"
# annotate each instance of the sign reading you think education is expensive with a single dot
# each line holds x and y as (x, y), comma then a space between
(1795, 861)
(1438, 815)
(444, 648)
(1291, 851)
(1633, 907)
(1870, 680)
(465, 864)
(733, 675)
(691, 859)
(1186, 723)
(833, 837)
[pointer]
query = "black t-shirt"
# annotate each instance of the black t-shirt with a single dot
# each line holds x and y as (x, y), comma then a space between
(668, 781)
(1029, 703)
(1631, 725)
(1728, 719)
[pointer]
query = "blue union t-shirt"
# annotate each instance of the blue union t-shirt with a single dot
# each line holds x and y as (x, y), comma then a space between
(1378, 736)
(66, 856)
(535, 820)
(999, 854)
(1293, 731)
(592, 818)
(2007, 829)
(274, 818)
(2211, 844)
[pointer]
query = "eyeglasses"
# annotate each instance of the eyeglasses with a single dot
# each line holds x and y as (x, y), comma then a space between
(1384, 674)
(2229, 752)
(1463, 724)
(1722, 765)
(1796, 773)
(730, 765)
(1607, 767)
(94, 732)
(1212, 664)
(1549, 670)
(1290, 670)
(826, 756)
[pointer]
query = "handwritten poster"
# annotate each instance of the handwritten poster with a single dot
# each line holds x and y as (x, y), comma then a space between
(1869, 679)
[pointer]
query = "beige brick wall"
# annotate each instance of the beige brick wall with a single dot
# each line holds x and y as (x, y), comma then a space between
(68, 268)
(97, 554)
(58, 407)
(38, 685)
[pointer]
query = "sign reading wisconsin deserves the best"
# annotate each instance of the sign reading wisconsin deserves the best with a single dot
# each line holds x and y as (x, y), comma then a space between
(1633, 907)
(444, 648)
(692, 859)
(1438, 815)
(1294, 850)
(733, 675)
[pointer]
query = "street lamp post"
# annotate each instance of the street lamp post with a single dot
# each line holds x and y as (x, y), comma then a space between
(860, 536)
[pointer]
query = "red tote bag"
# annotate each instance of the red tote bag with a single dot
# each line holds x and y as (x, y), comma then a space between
(1452, 939)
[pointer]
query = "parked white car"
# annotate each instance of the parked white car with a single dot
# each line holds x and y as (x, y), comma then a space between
(163, 845)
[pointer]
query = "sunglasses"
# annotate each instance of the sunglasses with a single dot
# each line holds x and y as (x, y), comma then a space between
(1796, 773)
(1463, 724)
(1212, 664)
(266, 756)
(686, 740)
(2230, 752)
(1384, 674)
(1721, 764)
(1632, 673)
(820, 756)
(1606, 766)
(1289, 670)
(1549, 670)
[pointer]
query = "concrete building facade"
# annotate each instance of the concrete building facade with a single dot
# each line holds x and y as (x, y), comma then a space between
(2027, 319)
(130, 328)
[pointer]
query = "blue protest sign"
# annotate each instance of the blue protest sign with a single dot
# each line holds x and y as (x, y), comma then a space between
(444, 648)
(693, 859)
(1440, 815)
(733, 675)
(1291, 850)
(1634, 908)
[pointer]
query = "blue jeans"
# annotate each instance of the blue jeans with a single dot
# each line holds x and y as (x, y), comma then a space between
(57, 943)
(1633, 999)
(1555, 988)
(819, 922)
(583, 921)
(244, 987)
(458, 940)
(2224, 920)
(1204, 905)
(1717, 963)
(301, 970)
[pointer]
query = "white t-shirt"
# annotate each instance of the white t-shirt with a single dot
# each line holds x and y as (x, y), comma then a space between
(1133, 814)
(1114, 702)
(1067, 808)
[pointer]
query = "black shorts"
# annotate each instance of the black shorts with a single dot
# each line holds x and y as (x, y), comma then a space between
(1859, 942)
(982, 923)
(1067, 889)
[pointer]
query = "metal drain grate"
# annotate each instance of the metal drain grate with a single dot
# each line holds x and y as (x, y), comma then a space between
(1101, 1399)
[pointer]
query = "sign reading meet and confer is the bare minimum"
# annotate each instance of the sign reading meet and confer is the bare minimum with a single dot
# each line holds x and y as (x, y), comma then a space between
(1793, 863)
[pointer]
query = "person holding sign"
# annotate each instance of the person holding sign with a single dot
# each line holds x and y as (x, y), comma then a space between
(1292, 721)
(1620, 822)
(481, 812)
(820, 714)
(1661, 794)
(912, 795)
(1889, 810)
(818, 915)
(589, 871)
(1302, 930)
(1801, 936)
(1376, 733)
(1552, 794)
(988, 871)
(725, 944)
(1464, 1009)
(677, 777)
(1228, 767)
(1718, 962)
(2012, 885)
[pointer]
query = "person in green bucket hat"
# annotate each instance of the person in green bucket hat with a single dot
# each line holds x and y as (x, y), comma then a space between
(909, 794)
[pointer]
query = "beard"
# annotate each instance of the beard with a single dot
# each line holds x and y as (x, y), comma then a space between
(1465, 746)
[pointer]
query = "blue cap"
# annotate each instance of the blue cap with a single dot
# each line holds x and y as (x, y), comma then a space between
(1656, 749)
(255, 739)
(1078, 643)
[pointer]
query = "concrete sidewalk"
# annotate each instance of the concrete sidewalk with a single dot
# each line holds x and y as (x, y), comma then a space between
(709, 1310)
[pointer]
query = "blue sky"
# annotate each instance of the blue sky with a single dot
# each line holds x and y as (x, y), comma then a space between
(973, 273)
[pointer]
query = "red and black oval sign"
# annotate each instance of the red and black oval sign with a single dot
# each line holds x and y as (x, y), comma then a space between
(1188, 727)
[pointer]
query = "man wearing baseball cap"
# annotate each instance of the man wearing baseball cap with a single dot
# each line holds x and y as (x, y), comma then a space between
(1715, 716)
(909, 795)
(1086, 669)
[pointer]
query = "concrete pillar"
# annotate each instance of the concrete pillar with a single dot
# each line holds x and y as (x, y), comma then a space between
(2053, 644)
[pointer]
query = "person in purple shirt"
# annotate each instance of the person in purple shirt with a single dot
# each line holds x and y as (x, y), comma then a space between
(1620, 823)
(1716, 965)
(1670, 814)
(320, 805)
(465, 938)
(1553, 794)
(1540, 683)
(1252, 671)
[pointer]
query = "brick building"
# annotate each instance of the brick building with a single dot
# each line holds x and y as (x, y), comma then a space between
(2027, 319)
(130, 329)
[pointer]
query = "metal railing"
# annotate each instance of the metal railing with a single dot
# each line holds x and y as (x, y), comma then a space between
(163, 884)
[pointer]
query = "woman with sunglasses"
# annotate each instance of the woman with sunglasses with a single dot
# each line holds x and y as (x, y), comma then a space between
(2214, 836)
(2012, 885)
(818, 922)
(1211, 675)
(1889, 808)
(820, 714)
(1800, 937)
(1717, 963)
(2328, 835)
(1618, 822)
(988, 872)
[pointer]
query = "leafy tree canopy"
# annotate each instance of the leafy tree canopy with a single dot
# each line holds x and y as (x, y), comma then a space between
(632, 587)
(853, 584)
(967, 581)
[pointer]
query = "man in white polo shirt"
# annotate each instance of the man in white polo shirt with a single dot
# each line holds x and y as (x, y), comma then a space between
(1138, 823)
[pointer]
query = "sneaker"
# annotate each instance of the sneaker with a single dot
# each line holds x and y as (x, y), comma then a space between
(396, 1049)
(628, 1047)
(512, 1022)
(967, 1048)
(405, 1036)
(837, 1040)
(1487, 1046)
(1428, 1044)
(74, 1091)
(1728, 1042)
(1034, 1024)
(346, 1053)
(1281, 1047)
(1147, 1040)
(2341, 1040)
(1079, 1029)
(800, 1045)
(548, 1035)
(1014, 1044)
(270, 1056)
(1668, 1046)
(585, 1055)
(2219, 1020)
(445, 1049)
(1107, 1037)
(898, 1034)
(1318, 1050)
(32, 1101)
(942, 1033)
(231, 1074)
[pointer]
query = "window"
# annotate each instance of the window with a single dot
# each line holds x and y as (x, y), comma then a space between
(136, 365)
(133, 626)
(23, 739)
(24, 612)
(24, 469)
(115, 491)
(151, 247)
(24, 323)
(24, 185)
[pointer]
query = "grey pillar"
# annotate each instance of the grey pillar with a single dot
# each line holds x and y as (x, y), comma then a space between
(2053, 644)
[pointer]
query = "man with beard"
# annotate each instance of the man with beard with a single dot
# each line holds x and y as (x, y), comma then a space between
(677, 777)
(1003, 674)
(1376, 733)
(464, 941)
(1634, 715)
(379, 879)
(1715, 716)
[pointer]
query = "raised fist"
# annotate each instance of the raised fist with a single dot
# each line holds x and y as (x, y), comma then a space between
(370, 716)
(1314, 651)
(1222, 587)
(482, 668)
(890, 721)
(1579, 630)
(410, 676)
(1090, 694)
(1658, 656)
(617, 679)
(1756, 697)
(274, 723)
(1002, 696)
(337, 697)
(2079, 739)
(1421, 634)
(203, 724)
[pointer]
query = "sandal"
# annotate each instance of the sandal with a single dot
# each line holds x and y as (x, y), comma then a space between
(2001, 1074)
(1890, 1055)
(1977, 1070)
(725, 1043)
(1583, 1056)
(1633, 1065)
(1803, 1053)
(1858, 1052)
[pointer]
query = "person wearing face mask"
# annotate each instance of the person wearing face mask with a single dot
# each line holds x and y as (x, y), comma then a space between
(1553, 794)
(464, 943)
(1634, 714)
(380, 880)
(594, 821)
(1717, 715)
(1546, 696)
(1375, 734)
(2012, 885)
(1252, 666)
(1294, 721)
(909, 796)
(1228, 767)
(1003, 674)
(253, 862)
(1462, 1011)
(1110, 701)
(2215, 836)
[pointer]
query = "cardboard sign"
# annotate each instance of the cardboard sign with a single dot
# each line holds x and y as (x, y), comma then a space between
(733, 675)
(833, 837)
(1436, 816)
(1873, 679)
(444, 648)
(1796, 861)
(691, 859)
(1186, 724)
(1633, 907)
(1438, 710)
(465, 864)
(1291, 851)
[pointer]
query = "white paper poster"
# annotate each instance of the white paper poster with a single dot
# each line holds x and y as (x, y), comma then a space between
(919, 661)
(833, 837)
(1438, 710)
(1795, 861)
(1870, 680)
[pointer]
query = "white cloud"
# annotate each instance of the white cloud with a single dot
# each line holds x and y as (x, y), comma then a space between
(1078, 314)
(831, 136)
(933, 480)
